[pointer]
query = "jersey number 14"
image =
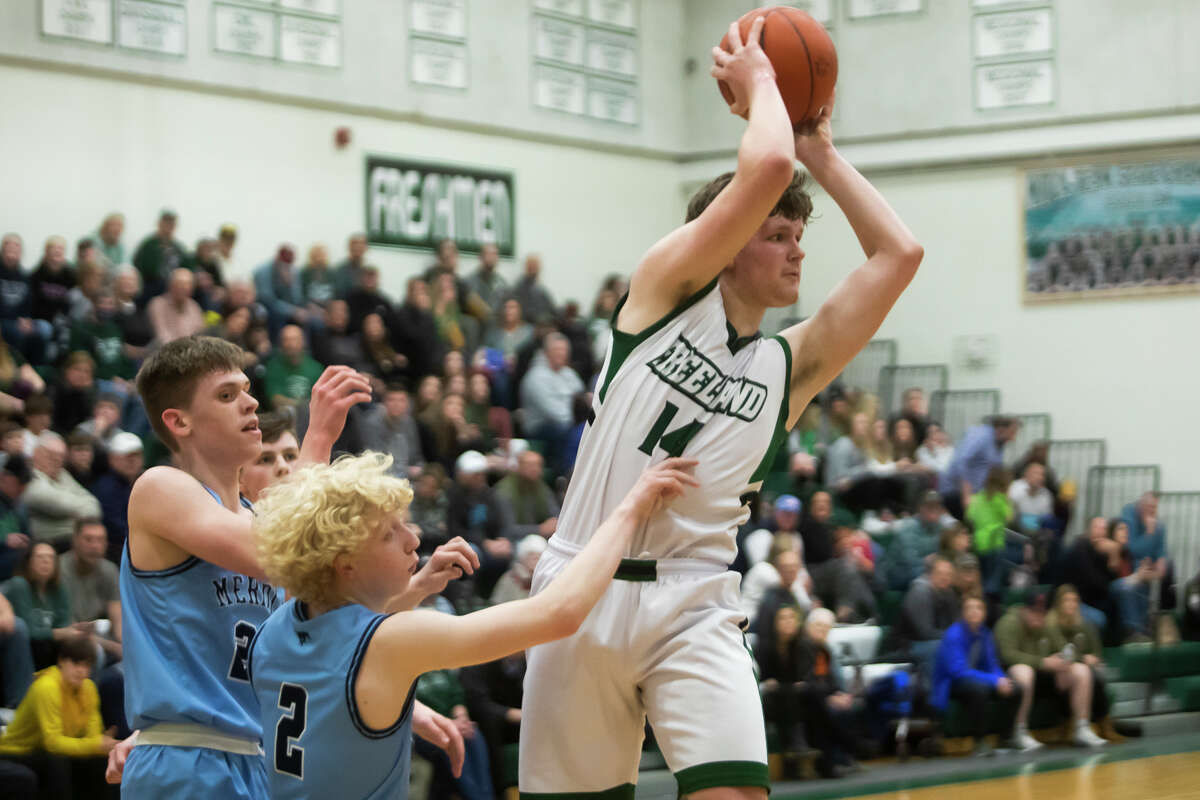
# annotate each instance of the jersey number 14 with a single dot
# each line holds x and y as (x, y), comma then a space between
(674, 441)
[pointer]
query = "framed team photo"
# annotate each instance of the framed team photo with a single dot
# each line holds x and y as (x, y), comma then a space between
(1112, 230)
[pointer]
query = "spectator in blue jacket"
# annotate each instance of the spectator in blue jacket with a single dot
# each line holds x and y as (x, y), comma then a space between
(967, 670)
(981, 448)
(1148, 540)
(280, 289)
(1147, 534)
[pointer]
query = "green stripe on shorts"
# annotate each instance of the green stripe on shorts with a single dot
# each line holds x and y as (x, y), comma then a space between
(719, 774)
(622, 792)
(637, 569)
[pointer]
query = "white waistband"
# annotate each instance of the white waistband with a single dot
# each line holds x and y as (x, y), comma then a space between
(184, 734)
(662, 566)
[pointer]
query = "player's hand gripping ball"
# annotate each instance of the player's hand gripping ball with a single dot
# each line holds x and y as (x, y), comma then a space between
(803, 56)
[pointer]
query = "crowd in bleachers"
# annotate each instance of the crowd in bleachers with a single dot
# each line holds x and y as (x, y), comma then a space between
(1107, 259)
(481, 393)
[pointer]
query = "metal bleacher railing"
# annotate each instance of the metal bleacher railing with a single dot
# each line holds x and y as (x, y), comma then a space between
(1072, 459)
(959, 409)
(1180, 513)
(1034, 428)
(863, 372)
(895, 378)
(1110, 488)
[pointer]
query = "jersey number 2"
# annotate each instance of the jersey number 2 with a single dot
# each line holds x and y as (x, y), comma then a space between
(673, 441)
(243, 634)
(289, 756)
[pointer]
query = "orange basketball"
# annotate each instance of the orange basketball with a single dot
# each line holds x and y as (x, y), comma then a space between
(802, 54)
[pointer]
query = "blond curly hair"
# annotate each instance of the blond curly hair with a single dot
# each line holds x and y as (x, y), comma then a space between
(303, 522)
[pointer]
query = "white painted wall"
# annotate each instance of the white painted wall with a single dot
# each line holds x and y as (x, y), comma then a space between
(375, 68)
(75, 148)
(911, 75)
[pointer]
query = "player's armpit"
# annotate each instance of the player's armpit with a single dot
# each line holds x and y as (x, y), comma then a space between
(173, 517)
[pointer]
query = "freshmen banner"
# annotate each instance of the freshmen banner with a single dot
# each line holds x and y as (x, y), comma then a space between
(417, 204)
(1107, 230)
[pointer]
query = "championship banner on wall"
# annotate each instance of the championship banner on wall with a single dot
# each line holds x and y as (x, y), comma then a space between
(417, 204)
(1112, 230)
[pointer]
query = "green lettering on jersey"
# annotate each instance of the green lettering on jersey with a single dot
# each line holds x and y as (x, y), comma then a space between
(686, 369)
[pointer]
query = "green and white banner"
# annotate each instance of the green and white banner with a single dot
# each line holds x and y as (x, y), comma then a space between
(417, 204)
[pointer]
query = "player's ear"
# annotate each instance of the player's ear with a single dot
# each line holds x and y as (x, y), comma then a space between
(178, 422)
(343, 566)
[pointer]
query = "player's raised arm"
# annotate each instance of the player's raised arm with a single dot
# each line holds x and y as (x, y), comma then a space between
(338, 388)
(690, 256)
(856, 308)
(555, 612)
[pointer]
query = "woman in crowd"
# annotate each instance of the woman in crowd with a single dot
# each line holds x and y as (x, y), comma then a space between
(781, 684)
(1132, 582)
(1076, 639)
(446, 312)
(494, 422)
(857, 467)
(451, 434)
(383, 363)
(40, 599)
(429, 395)
(829, 711)
(511, 334)
(937, 451)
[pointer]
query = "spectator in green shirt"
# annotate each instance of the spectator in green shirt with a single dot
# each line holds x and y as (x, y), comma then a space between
(158, 256)
(99, 335)
(291, 372)
(40, 599)
(989, 513)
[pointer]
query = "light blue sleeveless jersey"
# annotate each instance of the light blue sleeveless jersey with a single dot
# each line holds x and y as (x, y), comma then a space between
(186, 632)
(303, 671)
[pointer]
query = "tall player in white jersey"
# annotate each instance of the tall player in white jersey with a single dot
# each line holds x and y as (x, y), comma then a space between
(687, 373)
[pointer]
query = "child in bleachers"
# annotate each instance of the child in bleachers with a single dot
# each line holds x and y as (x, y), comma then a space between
(57, 730)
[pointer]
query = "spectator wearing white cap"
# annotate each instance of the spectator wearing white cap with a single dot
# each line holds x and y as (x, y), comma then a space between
(515, 583)
(112, 489)
(475, 515)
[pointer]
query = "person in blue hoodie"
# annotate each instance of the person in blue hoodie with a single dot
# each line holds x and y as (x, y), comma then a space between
(967, 670)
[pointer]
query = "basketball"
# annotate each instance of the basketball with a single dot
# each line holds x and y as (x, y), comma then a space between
(802, 54)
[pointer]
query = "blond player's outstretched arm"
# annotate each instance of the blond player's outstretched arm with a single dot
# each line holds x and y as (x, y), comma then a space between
(823, 345)
(689, 257)
(409, 644)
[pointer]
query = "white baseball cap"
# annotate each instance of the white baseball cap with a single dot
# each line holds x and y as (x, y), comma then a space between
(471, 462)
(125, 443)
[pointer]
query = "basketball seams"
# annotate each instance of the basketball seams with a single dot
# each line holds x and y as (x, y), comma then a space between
(812, 74)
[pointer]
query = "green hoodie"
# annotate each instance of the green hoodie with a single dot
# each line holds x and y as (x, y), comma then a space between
(1018, 644)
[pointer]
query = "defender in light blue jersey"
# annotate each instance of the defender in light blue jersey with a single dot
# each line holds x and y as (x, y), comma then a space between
(334, 668)
(193, 594)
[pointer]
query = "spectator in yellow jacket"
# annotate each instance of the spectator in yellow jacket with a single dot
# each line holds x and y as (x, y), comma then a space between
(57, 729)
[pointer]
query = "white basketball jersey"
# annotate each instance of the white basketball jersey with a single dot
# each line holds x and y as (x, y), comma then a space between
(684, 386)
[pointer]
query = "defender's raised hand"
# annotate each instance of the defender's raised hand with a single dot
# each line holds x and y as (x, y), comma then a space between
(333, 394)
(662, 483)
